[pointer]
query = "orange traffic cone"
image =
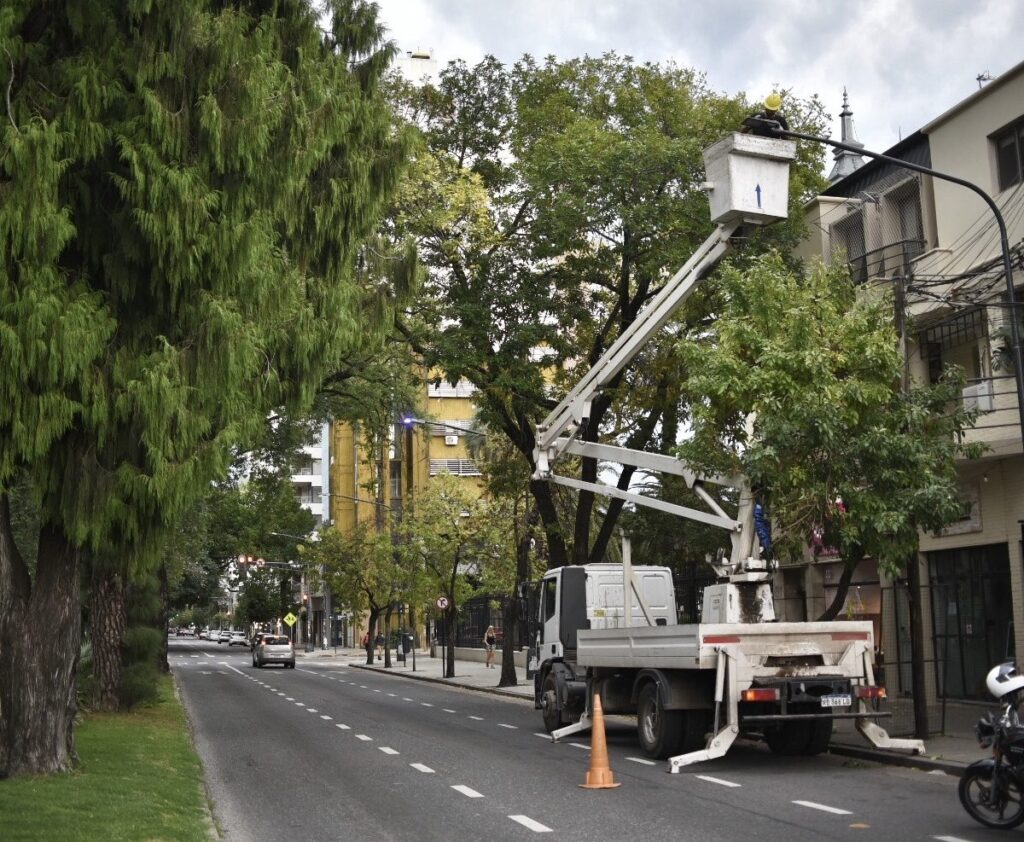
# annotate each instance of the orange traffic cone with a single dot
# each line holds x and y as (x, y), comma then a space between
(599, 776)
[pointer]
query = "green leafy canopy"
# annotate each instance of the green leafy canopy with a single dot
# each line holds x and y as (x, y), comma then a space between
(797, 384)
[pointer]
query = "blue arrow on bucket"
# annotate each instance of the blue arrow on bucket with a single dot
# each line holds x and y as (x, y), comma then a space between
(758, 191)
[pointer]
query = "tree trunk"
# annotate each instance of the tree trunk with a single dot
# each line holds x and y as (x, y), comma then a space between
(371, 634)
(917, 681)
(449, 634)
(842, 589)
(509, 618)
(387, 634)
(40, 635)
(558, 554)
(108, 621)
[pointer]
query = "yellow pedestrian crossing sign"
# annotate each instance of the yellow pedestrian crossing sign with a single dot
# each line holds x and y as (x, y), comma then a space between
(290, 619)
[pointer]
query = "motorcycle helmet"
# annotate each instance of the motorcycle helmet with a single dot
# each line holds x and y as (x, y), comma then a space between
(1004, 679)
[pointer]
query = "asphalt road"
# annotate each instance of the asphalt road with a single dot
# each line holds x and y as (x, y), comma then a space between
(333, 752)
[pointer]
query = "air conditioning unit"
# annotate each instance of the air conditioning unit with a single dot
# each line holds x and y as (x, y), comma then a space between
(978, 396)
(451, 440)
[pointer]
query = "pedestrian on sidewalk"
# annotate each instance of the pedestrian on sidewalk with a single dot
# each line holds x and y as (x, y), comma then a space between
(490, 641)
(380, 646)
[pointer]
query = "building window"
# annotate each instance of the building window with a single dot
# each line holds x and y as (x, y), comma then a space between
(1009, 145)
(848, 235)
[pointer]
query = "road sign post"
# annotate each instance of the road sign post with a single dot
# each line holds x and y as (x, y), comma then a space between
(442, 605)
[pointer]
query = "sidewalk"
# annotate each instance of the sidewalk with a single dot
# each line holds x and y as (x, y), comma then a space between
(950, 752)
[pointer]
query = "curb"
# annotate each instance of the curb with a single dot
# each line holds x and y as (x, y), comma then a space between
(908, 761)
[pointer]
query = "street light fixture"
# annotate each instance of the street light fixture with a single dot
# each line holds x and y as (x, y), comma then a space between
(772, 128)
(410, 421)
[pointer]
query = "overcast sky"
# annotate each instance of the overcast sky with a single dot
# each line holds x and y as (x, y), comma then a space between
(903, 62)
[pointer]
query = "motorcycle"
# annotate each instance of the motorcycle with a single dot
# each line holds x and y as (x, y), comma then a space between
(992, 790)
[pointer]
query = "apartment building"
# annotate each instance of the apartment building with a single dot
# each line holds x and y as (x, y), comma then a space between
(936, 245)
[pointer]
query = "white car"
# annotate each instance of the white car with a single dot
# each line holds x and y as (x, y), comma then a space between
(238, 639)
(224, 636)
(204, 634)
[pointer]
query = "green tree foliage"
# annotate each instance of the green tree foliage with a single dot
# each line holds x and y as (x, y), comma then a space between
(363, 572)
(818, 365)
(551, 201)
(184, 189)
(453, 536)
(261, 598)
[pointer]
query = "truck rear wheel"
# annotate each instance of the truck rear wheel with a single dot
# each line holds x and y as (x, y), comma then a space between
(790, 738)
(821, 736)
(660, 731)
(549, 700)
(804, 736)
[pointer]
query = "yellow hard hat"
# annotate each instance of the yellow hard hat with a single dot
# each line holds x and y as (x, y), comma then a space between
(773, 102)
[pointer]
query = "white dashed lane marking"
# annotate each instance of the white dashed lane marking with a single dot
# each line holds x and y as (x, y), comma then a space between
(342, 727)
(719, 781)
(505, 725)
(580, 745)
(824, 808)
(364, 738)
(642, 760)
(388, 750)
(406, 699)
(465, 790)
(527, 822)
(325, 716)
(477, 718)
(447, 710)
(419, 767)
(426, 704)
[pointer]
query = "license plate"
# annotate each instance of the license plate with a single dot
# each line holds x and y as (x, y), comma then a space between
(837, 701)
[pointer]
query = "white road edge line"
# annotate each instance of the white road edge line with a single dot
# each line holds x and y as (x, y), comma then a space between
(465, 790)
(824, 808)
(712, 780)
(643, 760)
(419, 767)
(527, 822)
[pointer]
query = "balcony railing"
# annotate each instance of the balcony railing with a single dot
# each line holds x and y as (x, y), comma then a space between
(886, 261)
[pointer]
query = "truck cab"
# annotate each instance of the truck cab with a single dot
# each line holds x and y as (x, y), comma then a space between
(580, 597)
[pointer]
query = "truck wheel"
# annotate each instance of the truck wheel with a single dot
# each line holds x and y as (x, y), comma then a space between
(660, 731)
(791, 738)
(696, 724)
(548, 701)
(821, 736)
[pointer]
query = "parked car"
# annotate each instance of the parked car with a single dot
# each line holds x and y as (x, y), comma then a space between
(224, 636)
(238, 639)
(204, 634)
(274, 649)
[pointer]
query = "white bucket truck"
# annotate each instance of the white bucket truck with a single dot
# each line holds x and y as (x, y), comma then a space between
(613, 629)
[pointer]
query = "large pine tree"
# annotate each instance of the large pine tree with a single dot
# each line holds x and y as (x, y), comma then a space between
(183, 187)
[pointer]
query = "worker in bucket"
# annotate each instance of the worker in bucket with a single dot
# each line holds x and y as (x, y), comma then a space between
(771, 111)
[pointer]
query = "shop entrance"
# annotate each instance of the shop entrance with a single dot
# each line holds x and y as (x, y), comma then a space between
(972, 617)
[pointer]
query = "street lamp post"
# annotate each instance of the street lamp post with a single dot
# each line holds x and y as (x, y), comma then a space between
(772, 127)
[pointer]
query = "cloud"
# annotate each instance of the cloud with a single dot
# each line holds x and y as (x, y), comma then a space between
(903, 62)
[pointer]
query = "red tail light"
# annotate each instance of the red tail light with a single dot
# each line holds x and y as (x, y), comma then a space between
(870, 692)
(760, 694)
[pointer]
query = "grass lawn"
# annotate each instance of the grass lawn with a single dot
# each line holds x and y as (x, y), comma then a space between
(138, 778)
